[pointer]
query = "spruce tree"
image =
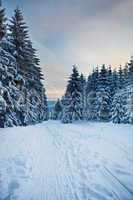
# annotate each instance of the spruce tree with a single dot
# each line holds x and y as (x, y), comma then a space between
(57, 110)
(110, 80)
(103, 96)
(21, 86)
(73, 100)
(115, 81)
(3, 107)
(83, 95)
(125, 74)
(2, 22)
(110, 88)
(43, 111)
(88, 85)
(66, 116)
(119, 110)
(92, 81)
(130, 72)
(33, 69)
(120, 78)
(7, 72)
(91, 107)
(19, 37)
(131, 117)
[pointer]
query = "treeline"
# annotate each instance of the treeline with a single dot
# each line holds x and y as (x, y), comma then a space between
(107, 95)
(22, 94)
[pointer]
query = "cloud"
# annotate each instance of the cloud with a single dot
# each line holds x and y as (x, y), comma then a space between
(106, 39)
(84, 32)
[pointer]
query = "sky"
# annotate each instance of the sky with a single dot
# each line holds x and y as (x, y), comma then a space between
(81, 32)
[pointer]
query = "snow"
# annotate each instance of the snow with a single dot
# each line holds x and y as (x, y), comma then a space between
(54, 161)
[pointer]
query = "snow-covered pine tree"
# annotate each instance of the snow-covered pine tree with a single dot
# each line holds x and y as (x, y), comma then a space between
(83, 95)
(110, 81)
(128, 76)
(111, 89)
(45, 108)
(19, 37)
(92, 81)
(57, 110)
(88, 84)
(115, 81)
(103, 95)
(2, 22)
(34, 109)
(3, 107)
(121, 82)
(125, 74)
(38, 102)
(20, 76)
(130, 103)
(91, 105)
(119, 110)
(66, 116)
(73, 100)
(7, 67)
(33, 70)
(130, 72)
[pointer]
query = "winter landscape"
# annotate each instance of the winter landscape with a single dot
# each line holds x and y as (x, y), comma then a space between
(67, 139)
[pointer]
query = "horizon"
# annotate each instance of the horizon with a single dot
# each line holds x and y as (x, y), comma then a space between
(102, 33)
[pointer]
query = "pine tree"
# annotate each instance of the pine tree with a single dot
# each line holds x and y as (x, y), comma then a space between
(57, 110)
(92, 113)
(7, 73)
(120, 78)
(131, 117)
(66, 116)
(125, 74)
(115, 81)
(8, 86)
(43, 111)
(83, 96)
(130, 72)
(45, 107)
(92, 81)
(119, 111)
(3, 107)
(72, 109)
(111, 88)
(21, 86)
(35, 108)
(91, 107)
(33, 70)
(129, 95)
(103, 96)
(88, 85)
(2, 22)
(110, 80)
(19, 37)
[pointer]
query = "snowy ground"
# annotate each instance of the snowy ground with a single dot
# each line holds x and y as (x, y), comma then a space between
(52, 161)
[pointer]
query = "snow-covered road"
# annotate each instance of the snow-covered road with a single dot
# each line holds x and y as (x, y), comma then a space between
(53, 161)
